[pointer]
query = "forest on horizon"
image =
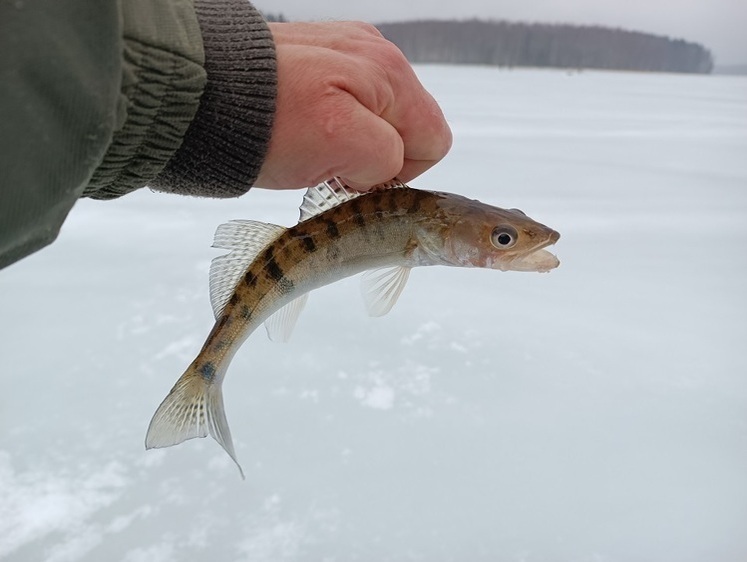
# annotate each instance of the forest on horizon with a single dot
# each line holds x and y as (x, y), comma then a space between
(510, 44)
(516, 44)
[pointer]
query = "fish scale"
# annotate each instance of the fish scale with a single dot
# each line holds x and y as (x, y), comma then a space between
(270, 270)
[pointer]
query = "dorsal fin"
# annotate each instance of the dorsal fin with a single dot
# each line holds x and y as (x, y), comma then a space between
(324, 196)
(246, 239)
(331, 193)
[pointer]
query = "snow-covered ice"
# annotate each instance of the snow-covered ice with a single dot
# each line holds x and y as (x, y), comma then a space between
(595, 413)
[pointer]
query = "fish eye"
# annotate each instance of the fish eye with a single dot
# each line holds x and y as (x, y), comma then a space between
(503, 237)
(518, 212)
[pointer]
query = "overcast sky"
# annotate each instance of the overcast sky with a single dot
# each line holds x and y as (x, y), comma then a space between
(720, 25)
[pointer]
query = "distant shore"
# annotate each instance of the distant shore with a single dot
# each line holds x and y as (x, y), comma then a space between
(517, 44)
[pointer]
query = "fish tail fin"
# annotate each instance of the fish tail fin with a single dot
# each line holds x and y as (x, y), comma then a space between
(193, 408)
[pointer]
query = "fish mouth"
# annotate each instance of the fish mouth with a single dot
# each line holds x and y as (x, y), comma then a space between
(537, 258)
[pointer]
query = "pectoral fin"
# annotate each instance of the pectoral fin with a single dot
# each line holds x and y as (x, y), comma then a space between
(382, 287)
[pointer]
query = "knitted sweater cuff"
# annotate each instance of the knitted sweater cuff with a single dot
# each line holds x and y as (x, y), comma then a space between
(225, 145)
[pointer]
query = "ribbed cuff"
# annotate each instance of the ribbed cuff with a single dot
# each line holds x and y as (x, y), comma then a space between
(225, 145)
(162, 79)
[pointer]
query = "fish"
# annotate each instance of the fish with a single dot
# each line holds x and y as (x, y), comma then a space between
(269, 271)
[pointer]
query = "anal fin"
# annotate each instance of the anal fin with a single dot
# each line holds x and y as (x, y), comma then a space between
(280, 325)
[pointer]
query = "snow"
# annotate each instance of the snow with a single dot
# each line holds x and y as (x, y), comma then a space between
(595, 413)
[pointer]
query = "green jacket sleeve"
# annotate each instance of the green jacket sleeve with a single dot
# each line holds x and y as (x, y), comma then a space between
(99, 98)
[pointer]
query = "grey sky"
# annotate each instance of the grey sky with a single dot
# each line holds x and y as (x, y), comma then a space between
(720, 25)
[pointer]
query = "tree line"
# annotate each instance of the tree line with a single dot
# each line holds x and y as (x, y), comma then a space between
(511, 44)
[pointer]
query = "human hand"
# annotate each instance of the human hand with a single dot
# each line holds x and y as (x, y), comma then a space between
(348, 105)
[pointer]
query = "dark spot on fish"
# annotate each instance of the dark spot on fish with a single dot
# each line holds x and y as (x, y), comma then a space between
(234, 299)
(223, 320)
(415, 206)
(332, 229)
(355, 207)
(286, 285)
(393, 203)
(221, 345)
(207, 371)
(246, 312)
(274, 270)
(288, 250)
(250, 278)
(308, 243)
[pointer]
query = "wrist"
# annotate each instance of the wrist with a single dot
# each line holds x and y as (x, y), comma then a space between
(225, 145)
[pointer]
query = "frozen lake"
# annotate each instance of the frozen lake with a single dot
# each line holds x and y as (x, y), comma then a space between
(594, 414)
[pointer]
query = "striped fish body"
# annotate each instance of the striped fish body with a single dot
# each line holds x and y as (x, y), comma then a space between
(361, 234)
(270, 270)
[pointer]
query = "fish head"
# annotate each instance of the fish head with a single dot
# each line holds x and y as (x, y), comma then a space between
(480, 235)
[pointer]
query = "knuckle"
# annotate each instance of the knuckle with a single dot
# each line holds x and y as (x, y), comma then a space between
(392, 57)
(365, 28)
(379, 46)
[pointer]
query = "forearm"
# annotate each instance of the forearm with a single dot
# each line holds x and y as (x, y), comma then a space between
(59, 84)
(197, 126)
(227, 140)
(100, 99)
(162, 77)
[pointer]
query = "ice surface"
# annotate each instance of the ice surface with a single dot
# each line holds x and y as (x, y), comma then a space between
(595, 413)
